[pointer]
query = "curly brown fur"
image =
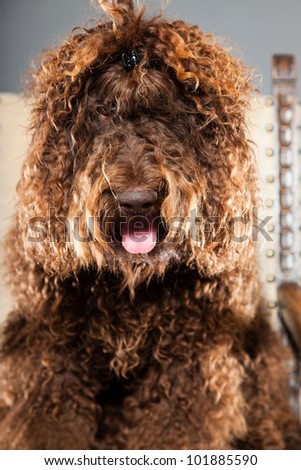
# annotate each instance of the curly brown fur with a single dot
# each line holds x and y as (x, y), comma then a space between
(168, 348)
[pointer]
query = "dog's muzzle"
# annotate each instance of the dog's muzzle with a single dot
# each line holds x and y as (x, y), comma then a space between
(138, 226)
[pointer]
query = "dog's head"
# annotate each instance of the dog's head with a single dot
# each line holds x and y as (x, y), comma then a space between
(139, 156)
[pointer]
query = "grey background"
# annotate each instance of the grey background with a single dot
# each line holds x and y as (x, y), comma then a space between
(257, 29)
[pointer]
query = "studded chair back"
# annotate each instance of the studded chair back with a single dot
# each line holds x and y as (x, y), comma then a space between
(275, 128)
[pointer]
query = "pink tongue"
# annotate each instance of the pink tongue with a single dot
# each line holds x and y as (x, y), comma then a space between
(139, 241)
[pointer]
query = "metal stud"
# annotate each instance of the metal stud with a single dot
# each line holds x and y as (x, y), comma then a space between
(270, 179)
(269, 102)
(270, 228)
(270, 253)
(272, 304)
(269, 127)
(269, 152)
(271, 278)
(269, 202)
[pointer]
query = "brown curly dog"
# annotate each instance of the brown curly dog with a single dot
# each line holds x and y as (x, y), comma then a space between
(137, 322)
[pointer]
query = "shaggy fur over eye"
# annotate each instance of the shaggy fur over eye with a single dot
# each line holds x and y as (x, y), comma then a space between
(138, 321)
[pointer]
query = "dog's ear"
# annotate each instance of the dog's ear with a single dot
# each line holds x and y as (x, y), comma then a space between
(63, 136)
(43, 195)
(224, 233)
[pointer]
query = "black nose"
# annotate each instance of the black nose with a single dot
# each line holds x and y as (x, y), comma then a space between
(137, 201)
